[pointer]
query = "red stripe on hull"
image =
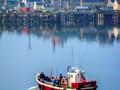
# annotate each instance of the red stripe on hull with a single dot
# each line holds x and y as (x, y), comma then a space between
(86, 86)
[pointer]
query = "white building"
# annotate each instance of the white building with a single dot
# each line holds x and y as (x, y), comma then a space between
(24, 1)
(38, 6)
(49, 7)
(42, 6)
(81, 8)
(109, 4)
(115, 5)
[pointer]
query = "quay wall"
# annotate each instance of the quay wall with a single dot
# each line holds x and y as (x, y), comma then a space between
(65, 19)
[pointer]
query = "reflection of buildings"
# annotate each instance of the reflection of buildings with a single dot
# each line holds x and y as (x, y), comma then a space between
(116, 32)
(25, 31)
(0, 33)
(59, 37)
(100, 35)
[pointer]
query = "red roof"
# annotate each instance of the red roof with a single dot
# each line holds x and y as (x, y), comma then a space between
(24, 9)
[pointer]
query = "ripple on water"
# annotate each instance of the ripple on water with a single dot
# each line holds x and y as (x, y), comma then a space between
(33, 88)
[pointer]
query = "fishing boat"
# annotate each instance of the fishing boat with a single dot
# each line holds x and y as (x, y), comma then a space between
(75, 80)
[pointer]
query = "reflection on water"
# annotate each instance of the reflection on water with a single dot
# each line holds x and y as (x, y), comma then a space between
(59, 35)
(25, 50)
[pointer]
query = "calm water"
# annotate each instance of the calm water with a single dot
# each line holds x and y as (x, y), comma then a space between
(26, 50)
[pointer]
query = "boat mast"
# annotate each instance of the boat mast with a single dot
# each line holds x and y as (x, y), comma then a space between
(73, 58)
(51, 71)
(57, 72)
(76, 63)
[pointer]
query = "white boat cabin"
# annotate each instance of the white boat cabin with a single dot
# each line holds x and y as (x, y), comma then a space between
(75, 76)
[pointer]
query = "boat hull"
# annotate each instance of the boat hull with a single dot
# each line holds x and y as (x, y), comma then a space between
(85, 86)
(78, 86)
(44, 85)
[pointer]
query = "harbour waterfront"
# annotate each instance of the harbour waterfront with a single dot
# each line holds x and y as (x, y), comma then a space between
(27, 49)
(94, 18)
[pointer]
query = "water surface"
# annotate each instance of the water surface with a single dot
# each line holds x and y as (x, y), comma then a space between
(25, 50)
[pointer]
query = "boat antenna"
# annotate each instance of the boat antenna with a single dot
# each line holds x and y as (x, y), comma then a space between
(57, 72)
(72, 51)
(73, 55)
(76, 63)
(81, 64)
(51, 72)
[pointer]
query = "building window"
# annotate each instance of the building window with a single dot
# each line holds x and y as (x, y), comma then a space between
(71, 76)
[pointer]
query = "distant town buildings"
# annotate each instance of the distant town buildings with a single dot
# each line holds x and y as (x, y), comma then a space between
(51, 2)
(81, 8)
(32, 4)
(94, 3)
(43, 7)
(51, 5)
(67, 5)
(109, 4)
(42, 1)
(24, 1)
(115, 5)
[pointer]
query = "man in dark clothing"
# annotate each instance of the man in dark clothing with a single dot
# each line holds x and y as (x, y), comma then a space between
(60, 77)
(42, 75)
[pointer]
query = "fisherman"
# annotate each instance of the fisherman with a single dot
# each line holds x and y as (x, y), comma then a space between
(42, 75)
(47, 79)
(60, 77)
(53, 81)
(58, 82)
(83, 79)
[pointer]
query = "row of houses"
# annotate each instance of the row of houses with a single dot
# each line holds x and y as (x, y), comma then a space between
(114, 4)
(50, 5)
(18, 5)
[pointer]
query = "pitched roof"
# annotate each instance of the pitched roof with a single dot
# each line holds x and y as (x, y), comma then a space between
(117, 0)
